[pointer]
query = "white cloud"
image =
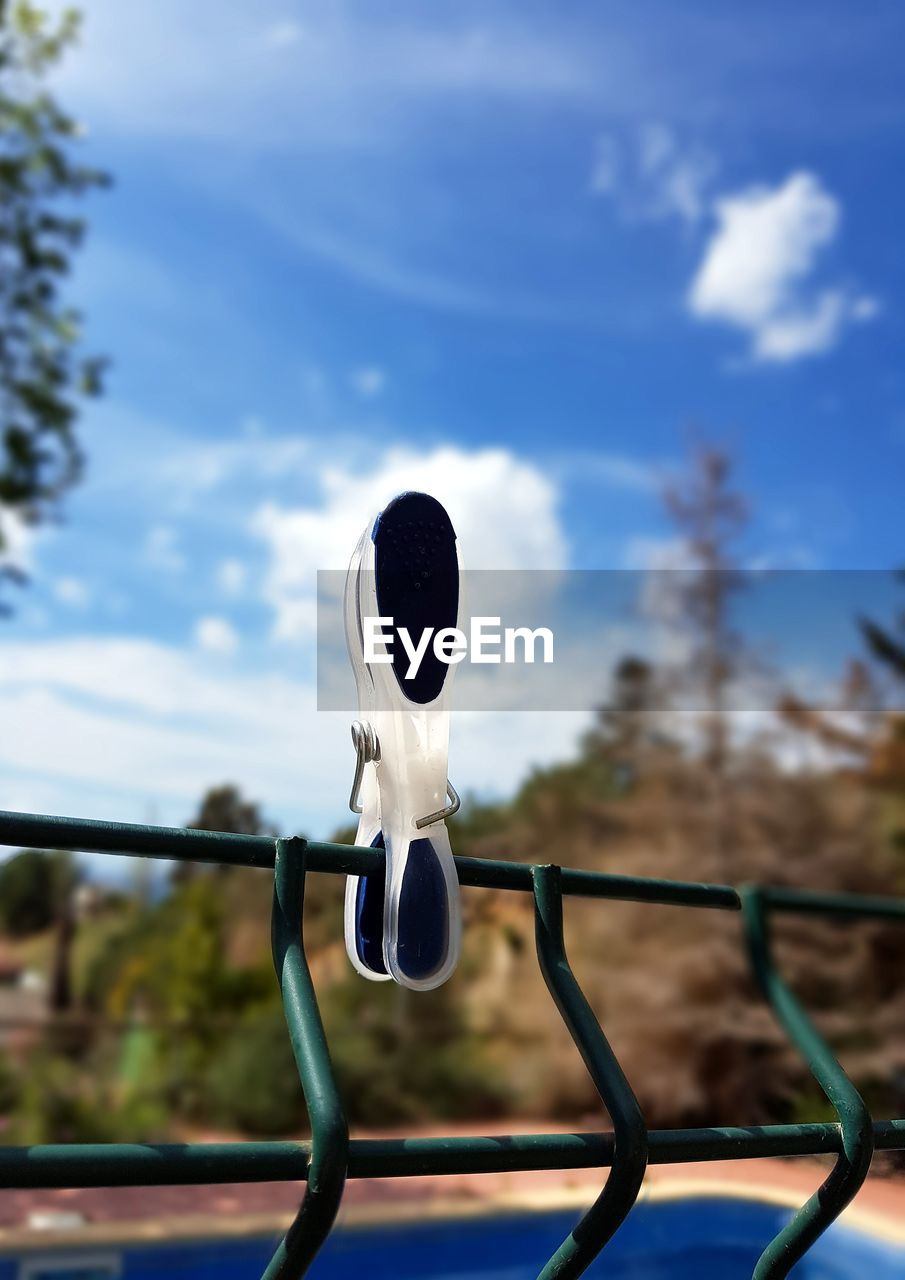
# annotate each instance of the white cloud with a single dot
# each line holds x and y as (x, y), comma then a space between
(807, 331)
(136, 729)
(72, 591)
(766, 240)
(162, 550)
(135, 715)
(651, 176)
(216, 635)
(17, 541)
(755, 272)
(503, 509)
(368, 381)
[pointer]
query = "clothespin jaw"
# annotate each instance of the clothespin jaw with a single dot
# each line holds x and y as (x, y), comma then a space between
(405, 568)
(364, 902)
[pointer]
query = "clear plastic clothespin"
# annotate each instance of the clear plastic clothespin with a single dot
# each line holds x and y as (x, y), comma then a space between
(407, 924)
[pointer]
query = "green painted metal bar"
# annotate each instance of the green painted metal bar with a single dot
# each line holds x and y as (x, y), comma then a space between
(411, 1157)
(853, 1161)
(842, 906)
(330, 1157)
(90, 836)
(629, 1157)
(329, 1131)
(197, 1164)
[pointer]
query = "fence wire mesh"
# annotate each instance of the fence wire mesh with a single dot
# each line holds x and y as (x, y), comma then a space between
(330, 1157)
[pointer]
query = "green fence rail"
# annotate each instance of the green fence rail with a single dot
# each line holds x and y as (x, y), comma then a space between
(331, 1157)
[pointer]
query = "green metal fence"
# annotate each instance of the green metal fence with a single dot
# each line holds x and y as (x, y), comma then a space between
(330, 1157)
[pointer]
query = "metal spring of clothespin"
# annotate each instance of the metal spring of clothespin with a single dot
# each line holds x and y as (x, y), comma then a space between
(367, 751)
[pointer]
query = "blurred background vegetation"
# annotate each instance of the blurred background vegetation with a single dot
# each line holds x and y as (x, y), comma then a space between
(152, 1011)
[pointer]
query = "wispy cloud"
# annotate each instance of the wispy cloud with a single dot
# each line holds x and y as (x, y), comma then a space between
(133, 727)
(610, 470)
(365, 256)
(652, 176)
(276, 77)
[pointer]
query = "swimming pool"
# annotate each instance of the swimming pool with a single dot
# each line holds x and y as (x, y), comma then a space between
(720, 1238)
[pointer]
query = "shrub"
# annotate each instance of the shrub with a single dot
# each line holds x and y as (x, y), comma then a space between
(31, 883)
(10, 1086)
(253, 1081)
(60, 1104)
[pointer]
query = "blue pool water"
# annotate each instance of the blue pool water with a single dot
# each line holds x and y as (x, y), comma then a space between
(716, 1238)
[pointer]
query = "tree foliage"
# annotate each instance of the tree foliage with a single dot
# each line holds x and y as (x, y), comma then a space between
(253, 1082)
(43, 372)
(710, 517)
(224, 808)
(887, 644)
(33, 883)
(623, 724)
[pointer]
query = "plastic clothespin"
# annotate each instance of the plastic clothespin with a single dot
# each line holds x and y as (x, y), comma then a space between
(407, 924)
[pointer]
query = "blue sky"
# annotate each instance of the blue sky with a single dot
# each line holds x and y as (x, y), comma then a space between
(517, 254)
